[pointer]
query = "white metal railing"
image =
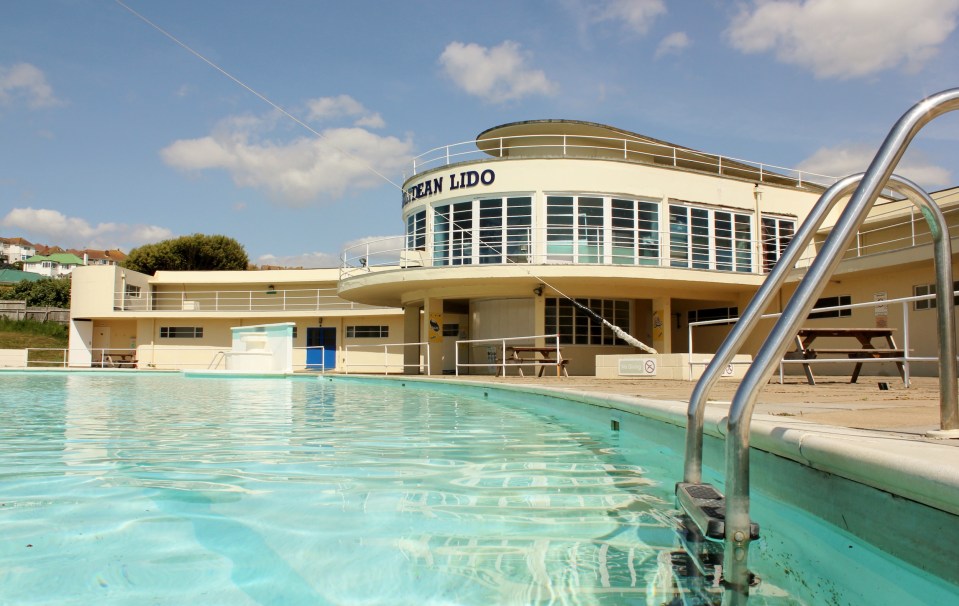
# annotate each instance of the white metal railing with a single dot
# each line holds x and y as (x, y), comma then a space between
(261, 300)
(423, 360)
(496, 353)
(149, 358)
(307, 365)
(629, 149)
(540, 246)
(902, 228)
(905, 359)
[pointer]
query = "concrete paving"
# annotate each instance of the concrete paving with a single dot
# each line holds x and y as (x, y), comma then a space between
(832, 401)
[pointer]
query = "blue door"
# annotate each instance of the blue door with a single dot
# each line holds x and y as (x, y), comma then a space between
(321, 348)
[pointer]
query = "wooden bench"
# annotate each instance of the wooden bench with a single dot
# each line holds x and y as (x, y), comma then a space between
(519, 363)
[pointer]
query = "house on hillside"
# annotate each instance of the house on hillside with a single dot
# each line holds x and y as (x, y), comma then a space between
(16, 249)
(92, 256)
(56, 265)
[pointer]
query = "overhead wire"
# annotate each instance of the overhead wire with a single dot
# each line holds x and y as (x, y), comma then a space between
(622, 334)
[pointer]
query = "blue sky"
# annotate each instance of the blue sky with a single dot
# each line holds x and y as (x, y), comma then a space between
(113, 135)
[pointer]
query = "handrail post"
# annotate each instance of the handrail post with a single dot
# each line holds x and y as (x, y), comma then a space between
(502, 358)
(429, 369)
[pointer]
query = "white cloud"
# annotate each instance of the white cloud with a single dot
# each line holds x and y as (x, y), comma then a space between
(845, 160)
(495, 74)
(53, 227)
(297, 172)
(845, 38)
(637, 15)
(674, 43)
(27, 81)
(330, 108)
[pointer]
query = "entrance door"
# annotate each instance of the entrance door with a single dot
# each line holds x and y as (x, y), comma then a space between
(316, 358)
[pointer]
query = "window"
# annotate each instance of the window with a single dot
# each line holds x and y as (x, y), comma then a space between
(577, 326)
(367, 332)
(181, 332)
(635, 232)
(416, 231)
(930, 289)
(714, 313)
(132, 292)
(451, 330)
(777, 234)
(702, 238)
(832, 302)
(502, 225)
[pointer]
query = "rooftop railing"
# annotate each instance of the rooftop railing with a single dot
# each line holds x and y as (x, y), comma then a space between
(265, 299)
(623, 148)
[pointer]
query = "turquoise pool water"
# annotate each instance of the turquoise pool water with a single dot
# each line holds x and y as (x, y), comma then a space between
(160, 489)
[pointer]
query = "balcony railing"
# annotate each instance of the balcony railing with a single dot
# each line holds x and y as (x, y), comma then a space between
(628, 149)
(265, 299)
(892, 227)
(556, 246)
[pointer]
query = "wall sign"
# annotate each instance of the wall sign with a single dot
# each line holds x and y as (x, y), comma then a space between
(462, 180)
(633, 367)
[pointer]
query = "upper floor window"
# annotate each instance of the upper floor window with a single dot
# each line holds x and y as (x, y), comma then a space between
(181, 332)
(491, 230)
(416, 231)
(777, 234)
(132, 292)
(708, 238)
(367, 332)
(836, 301)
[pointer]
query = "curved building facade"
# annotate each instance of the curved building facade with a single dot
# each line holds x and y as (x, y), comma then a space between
(507, 234)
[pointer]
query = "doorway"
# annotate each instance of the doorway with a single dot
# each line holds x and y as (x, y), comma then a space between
(316, 358)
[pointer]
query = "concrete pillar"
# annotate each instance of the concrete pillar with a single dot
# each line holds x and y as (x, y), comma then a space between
(663, 325)
(411, 334)
(432, 331)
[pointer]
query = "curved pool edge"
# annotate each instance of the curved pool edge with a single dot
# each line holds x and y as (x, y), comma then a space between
(923, 471)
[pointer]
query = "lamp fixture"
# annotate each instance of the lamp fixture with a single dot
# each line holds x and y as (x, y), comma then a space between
(538, 291)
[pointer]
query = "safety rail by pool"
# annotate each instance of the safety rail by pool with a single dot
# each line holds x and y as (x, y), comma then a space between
(497, 356)
(387, 364)
(736, 521)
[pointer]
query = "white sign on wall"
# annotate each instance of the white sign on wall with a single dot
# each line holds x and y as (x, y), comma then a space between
(634, 367)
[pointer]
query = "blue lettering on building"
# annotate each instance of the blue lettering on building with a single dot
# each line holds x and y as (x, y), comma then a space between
(462, 180)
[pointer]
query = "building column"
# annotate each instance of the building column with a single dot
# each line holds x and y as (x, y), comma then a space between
(411, 334)
(662, 325)
(432, 333)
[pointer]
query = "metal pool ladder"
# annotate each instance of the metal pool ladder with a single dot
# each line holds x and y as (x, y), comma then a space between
(726, 519)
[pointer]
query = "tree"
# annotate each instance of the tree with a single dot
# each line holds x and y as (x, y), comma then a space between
(197, 252)
(49, 292)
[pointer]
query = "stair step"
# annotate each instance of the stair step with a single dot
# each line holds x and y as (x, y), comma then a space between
(706, 507)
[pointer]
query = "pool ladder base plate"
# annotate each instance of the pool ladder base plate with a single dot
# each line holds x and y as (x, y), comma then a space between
(706, 507)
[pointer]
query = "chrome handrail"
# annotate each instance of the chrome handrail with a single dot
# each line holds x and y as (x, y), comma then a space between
(737, 523)
(751, 316)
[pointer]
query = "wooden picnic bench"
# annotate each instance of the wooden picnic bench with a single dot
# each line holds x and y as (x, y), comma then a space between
(864, 336)
(521, 355)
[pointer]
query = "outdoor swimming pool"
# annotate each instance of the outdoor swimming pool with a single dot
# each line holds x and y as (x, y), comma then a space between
(126, 488)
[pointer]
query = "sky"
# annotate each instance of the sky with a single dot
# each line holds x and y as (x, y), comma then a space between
(290, 125)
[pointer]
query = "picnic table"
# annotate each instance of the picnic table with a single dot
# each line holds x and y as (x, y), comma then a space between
(523, 355)
(863, 336)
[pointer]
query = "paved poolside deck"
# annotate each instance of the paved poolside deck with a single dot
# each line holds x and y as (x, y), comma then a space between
(832, 401)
